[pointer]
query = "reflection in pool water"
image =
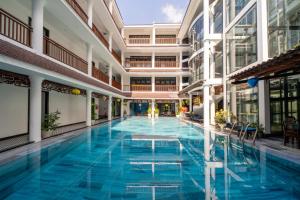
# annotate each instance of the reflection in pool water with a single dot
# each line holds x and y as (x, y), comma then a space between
(140, 158)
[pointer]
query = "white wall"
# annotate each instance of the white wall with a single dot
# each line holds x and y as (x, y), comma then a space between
(13, 110)
(72, 107)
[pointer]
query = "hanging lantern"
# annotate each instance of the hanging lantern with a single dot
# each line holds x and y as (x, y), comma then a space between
(252, 82)
(75, 91)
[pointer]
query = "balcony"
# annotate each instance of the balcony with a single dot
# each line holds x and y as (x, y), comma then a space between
(137, 88)
(166, 88)
(116, 84)
(117, 56)
(139, 40)
(138, 63)
(170, 40)
(14, 28)
(166, 64)
(100, 36)
(58, 52)
(77, 8)
(98, 74)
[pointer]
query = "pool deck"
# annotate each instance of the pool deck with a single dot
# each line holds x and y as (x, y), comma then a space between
(272, 146)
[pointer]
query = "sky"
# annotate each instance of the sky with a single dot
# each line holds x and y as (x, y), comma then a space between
(149, 11)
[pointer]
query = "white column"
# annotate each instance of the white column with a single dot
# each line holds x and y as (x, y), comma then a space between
(35, 112)
(212, 107)
(153, 35)
(153, 83)
(110, 75)
(90, 13)
(180, 82)
(180, 59)
(122, 82)
(123, 59)
(264, 105)
(88, 107)
(37, 25)
(152, 107)
(191, 102)
(109, 107)
(206, 54)
(110, 42)
(153, 59)
(90, 59)
(122, 108)
(110, 6)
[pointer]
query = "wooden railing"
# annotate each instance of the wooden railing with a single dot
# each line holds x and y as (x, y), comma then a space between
(165, 40)
(139, 41)
(100, 36)
(116, 84)
(138, 63)
(14, 28)
(77, 8)
(114, 53)
(166, 88)
(58, 52)
(98, 74)
(166, 64)
(135, 87)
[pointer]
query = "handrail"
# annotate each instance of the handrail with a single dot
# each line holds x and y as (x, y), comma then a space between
(100, 36)
(60, 53)
(114, 53)
(137, 87)
(14, 28)
(166, 88)
(139, 40)
(98, 74)
(77, 8)
(138, 63)
(167, 64)
(116, 84)
(170, 40)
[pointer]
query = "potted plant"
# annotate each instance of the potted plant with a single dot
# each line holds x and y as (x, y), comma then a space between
(220, 118)
(149, 111)
(178, 112)
(93, 113)
(50, 123)
(156, 112)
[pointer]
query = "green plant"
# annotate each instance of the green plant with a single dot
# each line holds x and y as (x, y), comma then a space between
(221, 116)
(156, 111)
(50, 121)
(149, 110)
(93, 111)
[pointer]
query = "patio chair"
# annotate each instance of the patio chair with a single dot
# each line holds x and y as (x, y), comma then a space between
(291, 130)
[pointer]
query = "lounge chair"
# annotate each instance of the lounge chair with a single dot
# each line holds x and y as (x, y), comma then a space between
(291, 130)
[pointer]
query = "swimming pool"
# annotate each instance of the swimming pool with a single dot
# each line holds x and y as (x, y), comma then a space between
(140, 158)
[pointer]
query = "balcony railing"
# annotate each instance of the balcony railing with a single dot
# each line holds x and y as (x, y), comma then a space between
(100, 36)
(58, 52)
(114, 53)
(139, 40)
(166, 64)
(14, 28)
(116, 84)
(165, 40)
(138, 63)
(135, 87)
(77, 8)
(98, 74)
(166, 88)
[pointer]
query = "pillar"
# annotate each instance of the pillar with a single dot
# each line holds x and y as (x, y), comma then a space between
(109, 107)
(123, 59)
(153, 59)
(90, 13)
(180, 60)
(110, 42)
(153, 35)
(90, 59)
(206, 55)
(35, 111)
(37, 25)
(153, 83)
(264, 105)
(212, 107)
(180, 82)
(88, 108)
(191, 102)
(122, 108)
(110, 75)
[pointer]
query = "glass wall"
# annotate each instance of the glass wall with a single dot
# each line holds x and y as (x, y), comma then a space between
(196, 34)
(243, 102)
(218, 58)
(196, 65)
(218, 17)
(241, 42)
(283, 25)
(233, 8)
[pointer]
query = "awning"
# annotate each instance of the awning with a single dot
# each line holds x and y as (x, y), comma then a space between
(275, 67)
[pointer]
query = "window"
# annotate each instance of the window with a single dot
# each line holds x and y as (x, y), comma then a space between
(233, 8)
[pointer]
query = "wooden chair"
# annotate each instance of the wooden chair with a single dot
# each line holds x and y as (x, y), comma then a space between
(291, 130)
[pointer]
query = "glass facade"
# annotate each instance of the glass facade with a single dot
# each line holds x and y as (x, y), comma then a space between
(196, 65)
(283, 25)
(241, 42)
(218, 17)
(233, 8)
(196, 34)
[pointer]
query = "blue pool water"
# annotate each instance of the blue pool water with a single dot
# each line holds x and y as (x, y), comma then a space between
(143, 159)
